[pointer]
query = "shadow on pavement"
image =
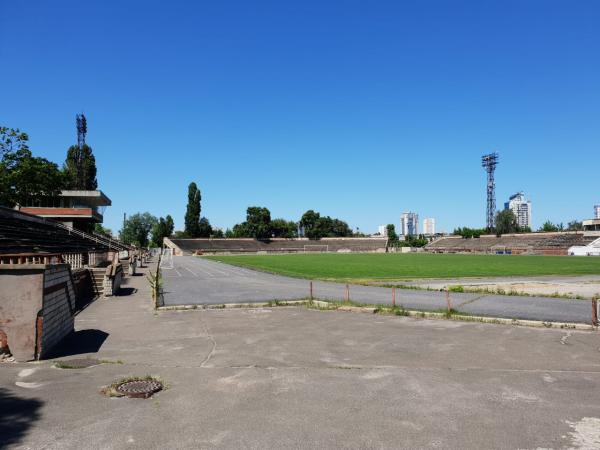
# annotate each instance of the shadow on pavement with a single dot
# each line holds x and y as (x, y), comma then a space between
(80, 342)
(126, 291)
(17, 415)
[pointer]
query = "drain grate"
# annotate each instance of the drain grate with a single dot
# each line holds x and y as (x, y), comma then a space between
(78, 363)
(139, 388)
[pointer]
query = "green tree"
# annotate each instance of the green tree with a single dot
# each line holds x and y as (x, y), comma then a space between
(192, 214)
(161, 229)
(98, 228)
(282, 228)
(575, 225)
(391, 232)
(12, 140)
(23, 176)
(204, 228)
(84, 177)
(316, 226)
(136, 229)
(506, 222)
(549, 227)
(309, 222)
(258, 222)
(467, 232)
(240, 230)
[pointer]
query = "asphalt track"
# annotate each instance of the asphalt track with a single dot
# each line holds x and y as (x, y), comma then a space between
(194, 280)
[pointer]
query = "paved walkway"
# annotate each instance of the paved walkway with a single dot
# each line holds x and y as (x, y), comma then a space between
(194, 280)
(290, 378)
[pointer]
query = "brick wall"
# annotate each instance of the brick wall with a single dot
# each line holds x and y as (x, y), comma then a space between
(59, 305)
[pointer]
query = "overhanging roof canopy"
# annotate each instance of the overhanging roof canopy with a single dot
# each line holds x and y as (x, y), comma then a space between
(91, 198)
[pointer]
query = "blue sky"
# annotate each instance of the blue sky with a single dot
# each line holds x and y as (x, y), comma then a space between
(359, 110)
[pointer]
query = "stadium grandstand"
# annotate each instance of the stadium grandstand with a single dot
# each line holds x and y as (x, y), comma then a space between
(276, 245)
(49, 272)
(557, 243)
(27, 238)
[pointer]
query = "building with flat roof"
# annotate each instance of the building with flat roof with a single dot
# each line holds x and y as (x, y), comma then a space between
(591, 225)
(429, 226)
(75, 209)
(596, 211)
(409, 224)
(382, 230)
(521, 209)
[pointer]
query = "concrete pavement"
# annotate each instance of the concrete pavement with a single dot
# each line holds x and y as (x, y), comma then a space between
(195, 280)
(297, 378)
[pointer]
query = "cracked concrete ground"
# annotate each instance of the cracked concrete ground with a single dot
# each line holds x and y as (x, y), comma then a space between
(290, 377)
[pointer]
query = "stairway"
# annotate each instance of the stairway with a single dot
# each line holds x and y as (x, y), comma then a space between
(97, 274)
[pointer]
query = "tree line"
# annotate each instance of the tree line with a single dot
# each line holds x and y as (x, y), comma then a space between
(24, 177)
(506, 223)
(143, 229)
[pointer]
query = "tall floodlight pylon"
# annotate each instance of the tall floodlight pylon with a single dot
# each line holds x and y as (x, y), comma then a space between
(81, 132)
(489, 163)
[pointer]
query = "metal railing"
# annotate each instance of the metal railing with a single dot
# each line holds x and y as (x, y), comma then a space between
(96, 237)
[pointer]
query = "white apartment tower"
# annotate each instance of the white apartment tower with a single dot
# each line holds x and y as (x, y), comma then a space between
(521, 209)
(596, 211)
(409, 223)
(382, 230)
(429, 226)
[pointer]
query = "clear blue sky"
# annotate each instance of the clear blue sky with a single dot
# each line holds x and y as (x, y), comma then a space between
(360, 110)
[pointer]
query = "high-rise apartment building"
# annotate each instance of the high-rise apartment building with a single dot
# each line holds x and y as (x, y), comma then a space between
(409, 223)
(429, 226)
(596, 211)
(382, 230)
(521, 209)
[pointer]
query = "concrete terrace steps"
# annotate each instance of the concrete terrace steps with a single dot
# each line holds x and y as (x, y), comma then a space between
(532, 243)
(97, 274)
(277, 245)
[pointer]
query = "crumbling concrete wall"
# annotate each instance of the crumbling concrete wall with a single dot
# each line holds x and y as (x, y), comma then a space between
(58, 308)
(37, 305)
(21, 296)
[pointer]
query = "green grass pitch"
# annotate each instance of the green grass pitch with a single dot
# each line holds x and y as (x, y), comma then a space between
(395, 266)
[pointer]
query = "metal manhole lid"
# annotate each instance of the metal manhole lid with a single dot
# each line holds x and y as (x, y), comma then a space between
(78, 363)
(139, 388)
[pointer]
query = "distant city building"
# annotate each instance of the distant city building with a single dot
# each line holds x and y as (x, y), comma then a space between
(521, 208)
(409, 224)
(382, 230)
(429, 226)
(596, 211)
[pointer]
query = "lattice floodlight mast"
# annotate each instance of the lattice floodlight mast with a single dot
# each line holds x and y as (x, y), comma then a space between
(81, 132)
(489, 163)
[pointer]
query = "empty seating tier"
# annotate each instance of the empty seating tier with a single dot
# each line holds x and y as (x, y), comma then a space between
(212, 246)
(531, 243)
(23, 233)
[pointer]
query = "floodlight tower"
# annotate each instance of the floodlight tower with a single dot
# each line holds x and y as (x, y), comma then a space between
(81, 132)
(489, 163)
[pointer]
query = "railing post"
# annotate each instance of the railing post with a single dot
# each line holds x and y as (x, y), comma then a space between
(347, 294)
(311, 290)
(448, 303)
(594, 311)
(393, 297)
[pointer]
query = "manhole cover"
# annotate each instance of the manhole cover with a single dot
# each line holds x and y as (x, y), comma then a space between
(79, 363)
(140, 388)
